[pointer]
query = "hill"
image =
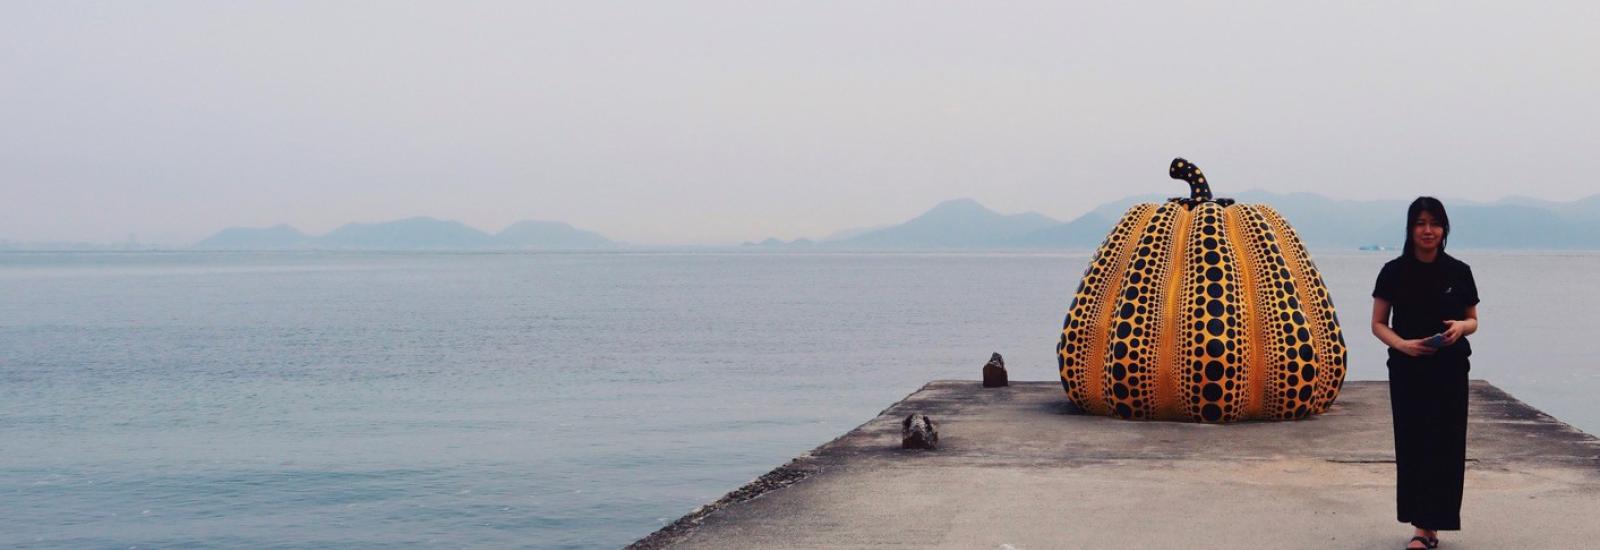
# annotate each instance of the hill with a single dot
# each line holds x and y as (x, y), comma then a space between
(549, 235)
(418, 233)
(247, 238)
(959, 223)
(1512, 223)
(409, 233)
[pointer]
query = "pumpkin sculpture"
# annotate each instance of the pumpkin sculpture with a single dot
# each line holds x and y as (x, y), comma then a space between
(1205, 310)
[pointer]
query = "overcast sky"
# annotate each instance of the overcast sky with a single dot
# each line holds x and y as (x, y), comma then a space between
(715, 122)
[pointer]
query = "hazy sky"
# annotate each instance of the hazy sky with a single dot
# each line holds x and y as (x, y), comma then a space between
(712, 122)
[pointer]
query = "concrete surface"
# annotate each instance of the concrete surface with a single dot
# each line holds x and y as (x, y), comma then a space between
(1020, 468)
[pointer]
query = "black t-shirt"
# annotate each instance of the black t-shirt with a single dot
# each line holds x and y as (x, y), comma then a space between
(1423, 295)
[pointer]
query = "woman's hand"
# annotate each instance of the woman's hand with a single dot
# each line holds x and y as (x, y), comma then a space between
(1453, 331)
(1415, 348)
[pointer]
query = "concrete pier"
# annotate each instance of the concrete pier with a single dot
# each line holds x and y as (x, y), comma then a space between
(1018, 467)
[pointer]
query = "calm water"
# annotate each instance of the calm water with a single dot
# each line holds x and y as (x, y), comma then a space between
(546, 400)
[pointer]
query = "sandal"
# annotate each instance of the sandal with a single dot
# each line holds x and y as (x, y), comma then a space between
(1418, 538)
(1433, 542)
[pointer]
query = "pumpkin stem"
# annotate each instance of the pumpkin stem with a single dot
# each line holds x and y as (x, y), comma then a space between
(1184, 170)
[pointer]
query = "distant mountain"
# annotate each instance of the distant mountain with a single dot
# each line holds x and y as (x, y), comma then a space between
(409, 233)
(549, 235)
(1085, 231)
(1322, 222)
(1513, 222)
(1533, 202)
(419, 233)
(774, 242)
(1586, 209)
(853, 232)
(959, 223)
(1505, 226)
(1335, 223)
(246, 238)
(1114, 209)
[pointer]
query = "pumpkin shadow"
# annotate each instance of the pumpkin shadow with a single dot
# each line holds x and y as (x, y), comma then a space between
(1065, 407)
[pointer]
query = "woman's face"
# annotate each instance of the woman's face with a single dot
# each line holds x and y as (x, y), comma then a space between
(1426, 233)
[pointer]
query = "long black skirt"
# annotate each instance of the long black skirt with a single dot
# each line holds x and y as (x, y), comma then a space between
(1429, 399)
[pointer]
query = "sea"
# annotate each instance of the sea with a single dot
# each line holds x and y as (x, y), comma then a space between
(551, 400)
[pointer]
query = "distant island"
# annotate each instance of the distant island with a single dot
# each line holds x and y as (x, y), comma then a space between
(419, 233)
(1322, 222)
(964, 224)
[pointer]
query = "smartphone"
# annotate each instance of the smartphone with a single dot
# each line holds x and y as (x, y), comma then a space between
(1434, 341)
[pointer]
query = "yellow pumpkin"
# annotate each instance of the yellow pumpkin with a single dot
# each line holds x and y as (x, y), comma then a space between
(1201, 309)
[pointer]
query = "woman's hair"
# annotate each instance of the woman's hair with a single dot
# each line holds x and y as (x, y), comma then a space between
(1432, 206)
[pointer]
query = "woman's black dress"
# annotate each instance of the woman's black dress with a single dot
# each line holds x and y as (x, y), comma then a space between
(1429, 394)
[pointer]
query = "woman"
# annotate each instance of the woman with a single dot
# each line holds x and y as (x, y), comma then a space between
(1433, 300)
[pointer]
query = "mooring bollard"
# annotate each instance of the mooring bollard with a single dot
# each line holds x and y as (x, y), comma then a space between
(994, 373)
